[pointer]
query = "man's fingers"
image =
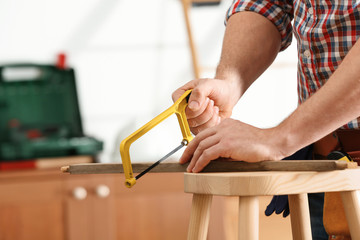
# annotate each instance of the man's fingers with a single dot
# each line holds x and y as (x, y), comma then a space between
(215, 120)
(180, 91)
(204, 117)
(190, 113)
(209, 154)
(201, 147)
(197, 98)
(190, 149)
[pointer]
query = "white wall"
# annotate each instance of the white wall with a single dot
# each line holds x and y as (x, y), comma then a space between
(129, 57)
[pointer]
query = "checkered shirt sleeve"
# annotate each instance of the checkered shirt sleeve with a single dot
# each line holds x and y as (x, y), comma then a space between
(280, 13)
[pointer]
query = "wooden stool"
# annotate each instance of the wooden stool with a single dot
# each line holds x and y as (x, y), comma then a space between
(249, 185)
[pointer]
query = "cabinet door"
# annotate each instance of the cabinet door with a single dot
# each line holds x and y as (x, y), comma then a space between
(155, 208)
(89, 207)
(31, 209)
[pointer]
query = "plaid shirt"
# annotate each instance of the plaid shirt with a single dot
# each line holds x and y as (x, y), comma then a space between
(325, 32)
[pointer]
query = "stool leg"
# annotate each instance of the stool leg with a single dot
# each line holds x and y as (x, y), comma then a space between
(248, 218)
(200, 216)
(352, 212)
(231, 218)
(300, 217)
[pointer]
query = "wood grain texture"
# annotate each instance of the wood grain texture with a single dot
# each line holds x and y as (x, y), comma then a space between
(300, 217)
(200, 216)
(214, 166)
(93, 217)
(29, 207)
(271, 183)
(248, 218)
(352, 211)
(249, 185)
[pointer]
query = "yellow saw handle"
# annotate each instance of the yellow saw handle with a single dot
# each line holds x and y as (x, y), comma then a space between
(179, 109)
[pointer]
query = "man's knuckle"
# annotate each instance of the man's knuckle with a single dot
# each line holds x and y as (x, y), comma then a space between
(208, 124)
(214, 119)
(206, 153)
(204, 118)
(195, 130)
(192, 122)
(197, 92)
(201, 146)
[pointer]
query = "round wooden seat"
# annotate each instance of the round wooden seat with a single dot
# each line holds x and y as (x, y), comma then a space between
(249, 185)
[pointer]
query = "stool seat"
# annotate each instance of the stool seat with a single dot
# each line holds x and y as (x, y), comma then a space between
(271, 183)
(249, 185)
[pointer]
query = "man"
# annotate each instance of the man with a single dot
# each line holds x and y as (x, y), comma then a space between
(328, 81)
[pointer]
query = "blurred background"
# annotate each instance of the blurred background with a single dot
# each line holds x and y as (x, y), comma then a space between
(129, 56)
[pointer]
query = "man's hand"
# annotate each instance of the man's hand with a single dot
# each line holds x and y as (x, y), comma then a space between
(231, 139)
(211, 101)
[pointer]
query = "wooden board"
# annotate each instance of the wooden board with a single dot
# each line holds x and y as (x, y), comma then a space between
(215, 166)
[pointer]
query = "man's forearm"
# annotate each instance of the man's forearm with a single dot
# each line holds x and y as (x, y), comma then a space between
(250, 45)
(334, 105)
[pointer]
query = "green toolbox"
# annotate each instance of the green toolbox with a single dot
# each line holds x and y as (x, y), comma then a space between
(39, 114)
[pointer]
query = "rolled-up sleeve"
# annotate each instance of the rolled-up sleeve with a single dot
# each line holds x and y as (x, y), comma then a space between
(280, 13)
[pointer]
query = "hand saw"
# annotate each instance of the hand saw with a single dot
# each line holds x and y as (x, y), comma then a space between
(179, 109)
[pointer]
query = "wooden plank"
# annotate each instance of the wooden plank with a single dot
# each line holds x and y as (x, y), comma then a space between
(214, 166)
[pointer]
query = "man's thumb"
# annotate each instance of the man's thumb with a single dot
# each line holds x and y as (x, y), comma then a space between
(195, 100)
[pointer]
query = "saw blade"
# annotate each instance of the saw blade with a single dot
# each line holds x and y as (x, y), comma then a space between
(183, 143)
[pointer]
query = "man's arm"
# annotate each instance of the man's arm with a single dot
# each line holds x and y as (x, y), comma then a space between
(335, 104)
(250, 45)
